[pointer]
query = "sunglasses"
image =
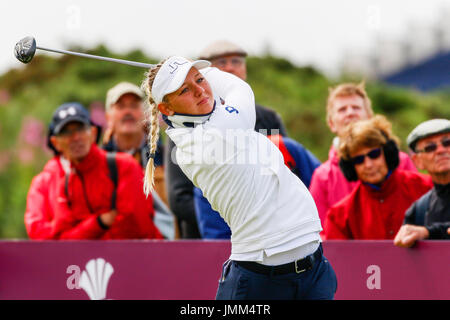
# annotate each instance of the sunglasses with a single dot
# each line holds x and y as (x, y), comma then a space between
(431, 147)
(372, 154)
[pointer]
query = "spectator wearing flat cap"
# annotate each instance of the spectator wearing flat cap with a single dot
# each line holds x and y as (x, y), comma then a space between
(74, 197)
(429, 217)
(230, 57)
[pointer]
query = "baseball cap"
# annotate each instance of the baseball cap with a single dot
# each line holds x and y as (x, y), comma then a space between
(68, 112)
(114, 94)
(221, 48)
(427, 128)
(172, 74)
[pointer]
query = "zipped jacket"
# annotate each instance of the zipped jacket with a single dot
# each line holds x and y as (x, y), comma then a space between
(65, 200)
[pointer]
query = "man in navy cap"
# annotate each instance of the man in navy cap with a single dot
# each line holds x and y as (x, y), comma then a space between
(429, 217)
(74, 196)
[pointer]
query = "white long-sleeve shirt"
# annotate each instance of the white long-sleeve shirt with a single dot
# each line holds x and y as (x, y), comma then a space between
(243, 176)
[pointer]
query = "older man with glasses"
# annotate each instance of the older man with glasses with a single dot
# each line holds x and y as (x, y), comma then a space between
(375, 209)
(429, 217)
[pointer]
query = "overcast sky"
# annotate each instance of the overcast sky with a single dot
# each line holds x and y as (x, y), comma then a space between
(316, 32)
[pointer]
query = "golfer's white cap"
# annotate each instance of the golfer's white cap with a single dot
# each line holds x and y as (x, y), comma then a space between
(172, 74)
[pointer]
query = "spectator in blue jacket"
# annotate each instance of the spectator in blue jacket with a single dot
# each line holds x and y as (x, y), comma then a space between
(300, 160)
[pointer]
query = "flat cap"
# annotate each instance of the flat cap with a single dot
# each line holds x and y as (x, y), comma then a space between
(426, 129)
(221, 48)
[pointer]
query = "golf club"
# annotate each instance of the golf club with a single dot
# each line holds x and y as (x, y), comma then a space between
(26, 48)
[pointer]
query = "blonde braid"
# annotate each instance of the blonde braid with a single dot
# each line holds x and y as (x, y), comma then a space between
(151, 116)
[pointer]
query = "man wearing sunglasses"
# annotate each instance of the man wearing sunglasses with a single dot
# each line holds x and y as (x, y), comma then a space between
(74, 196)
(429, 217)
(375, 209)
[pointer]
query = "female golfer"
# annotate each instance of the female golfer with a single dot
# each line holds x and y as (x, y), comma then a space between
(276, 251)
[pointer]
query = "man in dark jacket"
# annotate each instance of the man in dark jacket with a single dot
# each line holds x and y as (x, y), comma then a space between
(228, 57)
(429, 217)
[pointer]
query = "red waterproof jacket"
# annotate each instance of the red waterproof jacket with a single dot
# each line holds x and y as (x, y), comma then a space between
(369, 214)
(56, 210)
(328, 183)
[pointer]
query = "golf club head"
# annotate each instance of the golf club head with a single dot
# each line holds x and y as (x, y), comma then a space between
(25, 49)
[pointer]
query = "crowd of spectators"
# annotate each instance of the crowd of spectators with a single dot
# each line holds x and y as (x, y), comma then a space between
(367, 189)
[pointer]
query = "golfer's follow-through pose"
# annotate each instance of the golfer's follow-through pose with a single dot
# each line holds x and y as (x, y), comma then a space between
(276, 251)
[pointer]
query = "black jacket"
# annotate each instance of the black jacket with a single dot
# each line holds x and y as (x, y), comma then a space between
(269, 120)
(437, 216)
(180, 189)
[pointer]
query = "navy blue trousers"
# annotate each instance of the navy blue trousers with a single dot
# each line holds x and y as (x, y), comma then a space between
(238, 283)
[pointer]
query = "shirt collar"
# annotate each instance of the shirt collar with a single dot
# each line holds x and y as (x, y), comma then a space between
(181, 120)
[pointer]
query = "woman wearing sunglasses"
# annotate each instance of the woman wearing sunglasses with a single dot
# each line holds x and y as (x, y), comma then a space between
(376, 207)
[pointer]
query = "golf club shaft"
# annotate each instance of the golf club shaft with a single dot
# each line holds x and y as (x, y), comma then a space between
(91, 56)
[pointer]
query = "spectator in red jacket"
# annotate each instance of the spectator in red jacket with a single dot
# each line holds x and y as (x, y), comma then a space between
(73, 197)
(376, 207)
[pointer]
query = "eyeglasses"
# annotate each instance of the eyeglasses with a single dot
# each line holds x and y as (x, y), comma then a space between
(432, 146)
(222, 62)
(372, 154)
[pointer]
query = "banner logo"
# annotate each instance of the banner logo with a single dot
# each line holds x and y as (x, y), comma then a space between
(94, 280)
